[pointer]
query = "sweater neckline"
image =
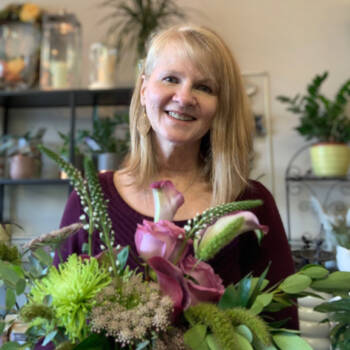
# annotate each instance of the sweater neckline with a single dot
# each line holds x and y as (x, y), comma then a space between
(114, 193)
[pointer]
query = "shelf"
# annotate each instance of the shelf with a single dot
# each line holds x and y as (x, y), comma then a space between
(34, 182)
(314, 178)
(64, 98)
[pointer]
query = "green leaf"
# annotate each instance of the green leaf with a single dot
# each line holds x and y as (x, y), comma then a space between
(195, 337)
(8, 273)
(314, 271)
(295, 283)
(49, 337)
(287, 341)
(339, 305)
(261, 302)
(338, 281)
(20, 286)
(43, 256)
(245, 332)
(122, 257)
(11, 346)
(2, 326)
(94, 342)
(213, 343)
(229, 299)
(10, 298)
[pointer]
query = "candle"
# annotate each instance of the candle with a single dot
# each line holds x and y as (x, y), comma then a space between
(59, 74)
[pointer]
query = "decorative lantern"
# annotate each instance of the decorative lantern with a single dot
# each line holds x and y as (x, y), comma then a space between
(60, 52)
(103, 61)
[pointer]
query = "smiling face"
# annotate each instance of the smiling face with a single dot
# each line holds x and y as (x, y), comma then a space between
(180, 100)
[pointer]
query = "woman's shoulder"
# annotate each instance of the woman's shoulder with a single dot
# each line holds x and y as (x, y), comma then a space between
(255, 190)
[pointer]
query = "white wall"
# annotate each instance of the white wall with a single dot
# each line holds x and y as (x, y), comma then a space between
(291, 39)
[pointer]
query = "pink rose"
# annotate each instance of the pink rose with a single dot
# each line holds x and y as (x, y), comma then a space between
(162, 238)
(208, 285)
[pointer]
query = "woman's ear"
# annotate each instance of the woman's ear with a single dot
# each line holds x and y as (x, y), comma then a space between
(143, 90)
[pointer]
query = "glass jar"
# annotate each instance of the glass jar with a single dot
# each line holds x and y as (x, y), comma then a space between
(60, 52)
(19, 54)
(103, 61)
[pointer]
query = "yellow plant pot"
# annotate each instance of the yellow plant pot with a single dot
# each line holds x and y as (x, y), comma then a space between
(330, 159)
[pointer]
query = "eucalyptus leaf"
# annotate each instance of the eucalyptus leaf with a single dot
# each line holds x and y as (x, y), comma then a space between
(261, 302)
(49, 337)
(43, 256)
(314, 271)
(122, 257)
(295, 283)
(20, 286)
(10, 298)
(8, 274)
(287, 341)
(335, 282)
(142, 345)
(195, 337)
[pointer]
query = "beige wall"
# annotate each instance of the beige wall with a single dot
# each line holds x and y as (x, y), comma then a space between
(290, 39)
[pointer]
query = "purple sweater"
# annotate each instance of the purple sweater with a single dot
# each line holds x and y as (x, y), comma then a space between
(242, 256)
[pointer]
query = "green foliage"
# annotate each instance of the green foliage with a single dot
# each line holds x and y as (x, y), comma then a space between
(64, 148)
(133, 21)
(102, 138)
(338, 312)
(321, 118)
(9, 253)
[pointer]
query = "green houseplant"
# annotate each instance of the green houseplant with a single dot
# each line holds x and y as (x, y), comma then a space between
(133, 21)
(105, 142)
(324, 121)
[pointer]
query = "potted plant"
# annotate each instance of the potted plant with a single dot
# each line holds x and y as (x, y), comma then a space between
(133, 21)
(105, 142)
(325, 121)
(25, 158)
(337, 313)
(337, 232)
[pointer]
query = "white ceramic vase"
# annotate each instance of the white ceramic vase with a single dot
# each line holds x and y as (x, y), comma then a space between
(314, 332)
(343, 258)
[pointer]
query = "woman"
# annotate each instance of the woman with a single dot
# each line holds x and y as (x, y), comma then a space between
(190, 123)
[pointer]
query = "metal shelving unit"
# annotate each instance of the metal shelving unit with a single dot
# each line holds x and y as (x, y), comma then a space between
(71, 99)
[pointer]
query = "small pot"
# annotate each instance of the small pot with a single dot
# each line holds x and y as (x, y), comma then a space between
(24, 167)
(330, 159)
(107, 161)
(343, 258)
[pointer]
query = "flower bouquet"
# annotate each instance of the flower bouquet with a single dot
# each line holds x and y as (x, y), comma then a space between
(174, 301)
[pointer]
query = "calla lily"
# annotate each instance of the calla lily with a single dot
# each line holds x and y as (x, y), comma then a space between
(216, 236)
(167, 200)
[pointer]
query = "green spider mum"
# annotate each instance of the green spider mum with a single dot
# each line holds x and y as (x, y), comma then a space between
(73, 288)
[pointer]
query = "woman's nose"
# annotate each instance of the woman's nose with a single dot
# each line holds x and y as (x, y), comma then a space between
(184, 96)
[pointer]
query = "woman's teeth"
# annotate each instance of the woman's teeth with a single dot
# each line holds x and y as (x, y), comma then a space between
(180, 116)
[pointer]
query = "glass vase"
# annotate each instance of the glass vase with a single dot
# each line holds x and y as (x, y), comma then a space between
(19, 54)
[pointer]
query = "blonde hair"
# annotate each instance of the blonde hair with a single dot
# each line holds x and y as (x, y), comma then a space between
(226, 149)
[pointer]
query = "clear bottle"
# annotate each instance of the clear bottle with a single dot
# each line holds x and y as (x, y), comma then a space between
(60, 52)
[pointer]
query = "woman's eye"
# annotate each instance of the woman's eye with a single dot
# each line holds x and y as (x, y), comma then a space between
(205, 88)
(170, 79)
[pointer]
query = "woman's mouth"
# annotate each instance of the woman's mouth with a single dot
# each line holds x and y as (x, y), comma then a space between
(180, 116)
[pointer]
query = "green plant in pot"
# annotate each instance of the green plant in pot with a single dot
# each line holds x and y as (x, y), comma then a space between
(105, 142)
(133, 21)
(25, 158)
(324, 121)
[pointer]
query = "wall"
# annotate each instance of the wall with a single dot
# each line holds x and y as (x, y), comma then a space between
(292, 40)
